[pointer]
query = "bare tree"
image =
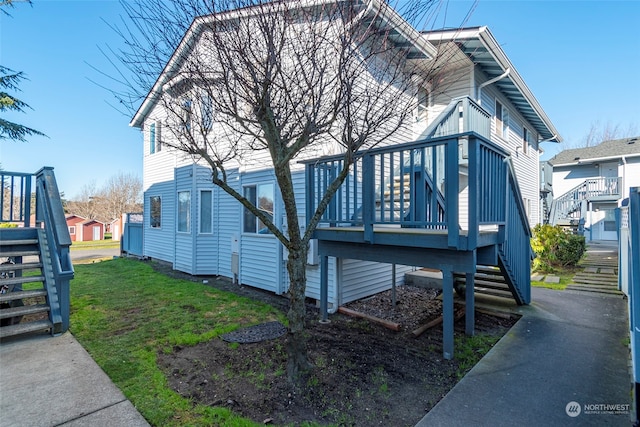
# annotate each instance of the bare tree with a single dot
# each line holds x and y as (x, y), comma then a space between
(599, 132)
(257, 81)
(83, 204)
(120, 194)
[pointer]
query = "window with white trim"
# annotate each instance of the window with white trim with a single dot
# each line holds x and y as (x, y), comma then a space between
(152, 138)
(155, 211)
(206, 111)
(502, 120)
(262, 197)
(206, 212)
(526, 140)
(422, 113)
(184, 211)
(72, 230)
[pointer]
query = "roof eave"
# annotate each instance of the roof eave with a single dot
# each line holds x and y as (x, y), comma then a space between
(428, 50)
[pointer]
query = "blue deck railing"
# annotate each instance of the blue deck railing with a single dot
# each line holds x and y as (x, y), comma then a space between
(415, 185)
(18, 203)
(569, 205)
(418, 185)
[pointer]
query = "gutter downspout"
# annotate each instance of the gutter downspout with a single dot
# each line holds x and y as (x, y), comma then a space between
(488, 82)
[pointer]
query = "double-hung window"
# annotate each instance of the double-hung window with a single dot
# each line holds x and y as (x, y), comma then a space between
(262, 197)
(155, 211)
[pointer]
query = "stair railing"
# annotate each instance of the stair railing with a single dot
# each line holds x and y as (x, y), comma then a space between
(515, 253)
(15, 198)
(566, 205)
(462, 115)
(50, 213)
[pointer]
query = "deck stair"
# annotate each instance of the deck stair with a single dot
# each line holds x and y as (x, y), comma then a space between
(35, 264)
(25, 276)
(488, 280)
(570, 207)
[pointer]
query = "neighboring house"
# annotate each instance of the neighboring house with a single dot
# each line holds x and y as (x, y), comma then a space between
(82, 230)
(590, 183)
(116, 229)
(199, 229)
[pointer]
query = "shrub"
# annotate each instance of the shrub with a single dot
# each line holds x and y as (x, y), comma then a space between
(555, 247)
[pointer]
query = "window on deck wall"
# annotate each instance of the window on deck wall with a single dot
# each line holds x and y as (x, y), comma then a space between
(184, 211)
(262, 197)
(206, 212)
(502, 121)
(155, 211)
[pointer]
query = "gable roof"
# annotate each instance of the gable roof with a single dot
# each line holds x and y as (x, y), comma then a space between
(606, 150)
(483, 50)
(373, 10)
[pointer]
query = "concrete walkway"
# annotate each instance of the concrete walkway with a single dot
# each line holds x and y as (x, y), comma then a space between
(568, 353)
(52, 381)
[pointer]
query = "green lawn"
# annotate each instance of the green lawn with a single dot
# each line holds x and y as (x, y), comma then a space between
(124, 313)
(92, 244)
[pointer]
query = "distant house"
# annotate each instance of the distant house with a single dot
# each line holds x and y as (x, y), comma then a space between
(590, 183)
(72, 224)
(82, 230)
(116, 229)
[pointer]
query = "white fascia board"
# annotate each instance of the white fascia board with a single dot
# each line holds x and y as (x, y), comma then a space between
(596, 160)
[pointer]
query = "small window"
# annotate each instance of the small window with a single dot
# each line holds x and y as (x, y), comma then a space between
(72, 230)
(152, 138)
(423, 104)
(502, 121)
(262, 197)
(206, 211)
(526, 140)
(184, 211)
(155, 211)
(206, 111)
(186, 114)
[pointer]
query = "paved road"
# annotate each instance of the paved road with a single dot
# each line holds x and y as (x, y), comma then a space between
(93, 253)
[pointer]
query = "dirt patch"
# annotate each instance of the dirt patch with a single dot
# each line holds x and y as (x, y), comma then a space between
(364, 375)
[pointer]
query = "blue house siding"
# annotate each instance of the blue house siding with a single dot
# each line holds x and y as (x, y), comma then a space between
(159, 242)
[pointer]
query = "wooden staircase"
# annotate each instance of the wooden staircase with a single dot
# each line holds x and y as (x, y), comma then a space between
(488, 280)
(28, 296)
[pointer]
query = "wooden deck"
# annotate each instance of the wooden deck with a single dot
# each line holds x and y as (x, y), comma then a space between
(391, 235)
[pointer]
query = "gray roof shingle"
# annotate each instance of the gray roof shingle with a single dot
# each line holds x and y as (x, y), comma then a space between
(613, 148)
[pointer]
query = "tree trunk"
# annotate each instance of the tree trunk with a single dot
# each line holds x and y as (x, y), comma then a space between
(297, 360)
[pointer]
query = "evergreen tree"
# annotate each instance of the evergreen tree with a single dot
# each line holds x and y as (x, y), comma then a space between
(9, 81)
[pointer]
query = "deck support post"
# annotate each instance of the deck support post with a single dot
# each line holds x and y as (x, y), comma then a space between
(447, 313)
(324, 288)
(393, 286)
(469, 294)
